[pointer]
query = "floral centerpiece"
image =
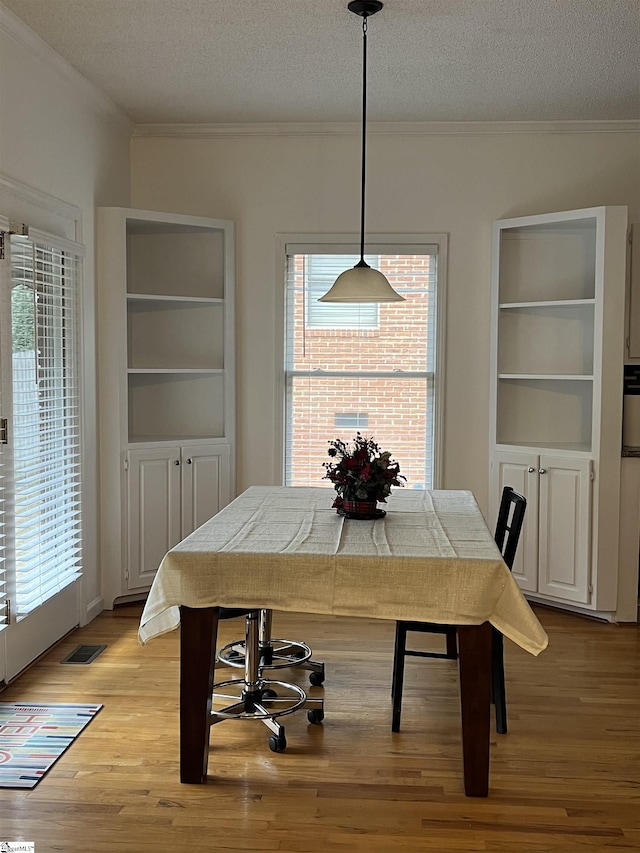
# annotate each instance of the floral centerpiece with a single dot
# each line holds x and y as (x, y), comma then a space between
(361, 474)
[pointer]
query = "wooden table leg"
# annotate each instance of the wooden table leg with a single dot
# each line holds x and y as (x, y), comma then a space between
(474, 646)
(198, 635)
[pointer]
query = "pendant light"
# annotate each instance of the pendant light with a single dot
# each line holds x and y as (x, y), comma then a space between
(362, 283)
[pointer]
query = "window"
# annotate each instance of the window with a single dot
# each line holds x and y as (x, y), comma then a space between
(351, 420)
(41, 384)
(4, 230)
(356, 372)
(45, 422)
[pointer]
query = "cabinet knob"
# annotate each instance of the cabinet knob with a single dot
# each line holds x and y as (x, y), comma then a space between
(530, 469)
(542, 471)
(189, 461)
(177, 462)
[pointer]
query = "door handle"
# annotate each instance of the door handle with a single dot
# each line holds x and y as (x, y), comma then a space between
(542, 471)
(530, 469)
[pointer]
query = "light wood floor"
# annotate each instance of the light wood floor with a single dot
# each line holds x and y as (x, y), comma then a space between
(565, 778)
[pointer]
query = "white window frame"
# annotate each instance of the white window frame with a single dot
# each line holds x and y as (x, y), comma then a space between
(75, 605)
(377, 244)
(356, 417)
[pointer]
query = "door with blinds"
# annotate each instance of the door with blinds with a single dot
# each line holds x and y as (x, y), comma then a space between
(40, 453)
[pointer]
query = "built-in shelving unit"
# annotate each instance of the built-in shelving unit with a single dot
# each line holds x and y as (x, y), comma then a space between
(557, 346)
(545, 336)
(176, 327)
(166, 309)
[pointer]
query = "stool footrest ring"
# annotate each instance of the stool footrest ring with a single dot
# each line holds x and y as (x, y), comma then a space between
(268, 703)
(279, 654)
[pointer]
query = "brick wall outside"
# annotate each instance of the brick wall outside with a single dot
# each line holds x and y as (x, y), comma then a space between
(396, 409)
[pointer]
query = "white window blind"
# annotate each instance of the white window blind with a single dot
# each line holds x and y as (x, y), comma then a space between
(383, 371)
(46, 426)
(4, 271)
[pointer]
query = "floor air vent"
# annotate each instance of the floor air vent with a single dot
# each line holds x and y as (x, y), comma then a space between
(83, 654)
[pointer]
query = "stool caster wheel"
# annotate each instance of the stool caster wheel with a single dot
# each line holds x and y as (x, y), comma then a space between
(316, 678)
(277, 744)
(269, 694)
(315, 715)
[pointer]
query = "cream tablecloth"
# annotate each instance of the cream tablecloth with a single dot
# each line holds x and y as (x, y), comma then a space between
(432, 558)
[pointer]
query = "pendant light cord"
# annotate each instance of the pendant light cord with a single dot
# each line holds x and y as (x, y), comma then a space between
(364, 136)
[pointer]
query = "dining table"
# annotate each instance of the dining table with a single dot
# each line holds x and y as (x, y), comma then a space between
(430, 558)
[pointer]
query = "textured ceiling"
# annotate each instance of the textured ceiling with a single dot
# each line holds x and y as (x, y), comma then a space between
(295, 60)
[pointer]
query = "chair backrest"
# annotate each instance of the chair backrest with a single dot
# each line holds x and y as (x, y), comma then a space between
(509, 524)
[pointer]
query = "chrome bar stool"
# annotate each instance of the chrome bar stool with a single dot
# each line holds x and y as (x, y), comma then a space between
(274, 653)
(257, 698)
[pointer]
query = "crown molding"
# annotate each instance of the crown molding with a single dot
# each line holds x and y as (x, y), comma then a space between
(27, 205)
(92, 96)
(401, 128)
(39, 198)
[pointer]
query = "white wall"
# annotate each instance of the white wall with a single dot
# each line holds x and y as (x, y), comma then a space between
(62, 138)
(275, 180)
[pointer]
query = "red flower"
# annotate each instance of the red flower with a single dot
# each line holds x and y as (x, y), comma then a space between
(361, 471)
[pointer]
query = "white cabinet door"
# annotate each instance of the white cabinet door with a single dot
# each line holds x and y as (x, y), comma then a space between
(520, 471)
(153, 517)
(205, 484)
(170, 491)
(554, 554)
(565, 528)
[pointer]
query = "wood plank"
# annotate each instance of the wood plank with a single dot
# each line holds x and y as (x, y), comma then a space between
(565, 779)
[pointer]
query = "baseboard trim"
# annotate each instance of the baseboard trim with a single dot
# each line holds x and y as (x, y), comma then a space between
(600, 615)
(94, 608)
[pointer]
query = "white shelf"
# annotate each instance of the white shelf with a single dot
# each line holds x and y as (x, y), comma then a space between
(163, 260)
(566, 447)
(156, 441)
(548, 303)
(547, 263)
(155, 297)
(539, 411)
(538, 377)
(165, 403)
(186, 334)
(160, 371)
(547, 339)
(182, 439)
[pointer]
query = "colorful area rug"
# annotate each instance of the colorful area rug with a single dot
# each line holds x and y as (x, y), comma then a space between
(33, 737)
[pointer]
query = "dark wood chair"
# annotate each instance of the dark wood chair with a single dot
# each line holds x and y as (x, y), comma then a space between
(507, 535)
